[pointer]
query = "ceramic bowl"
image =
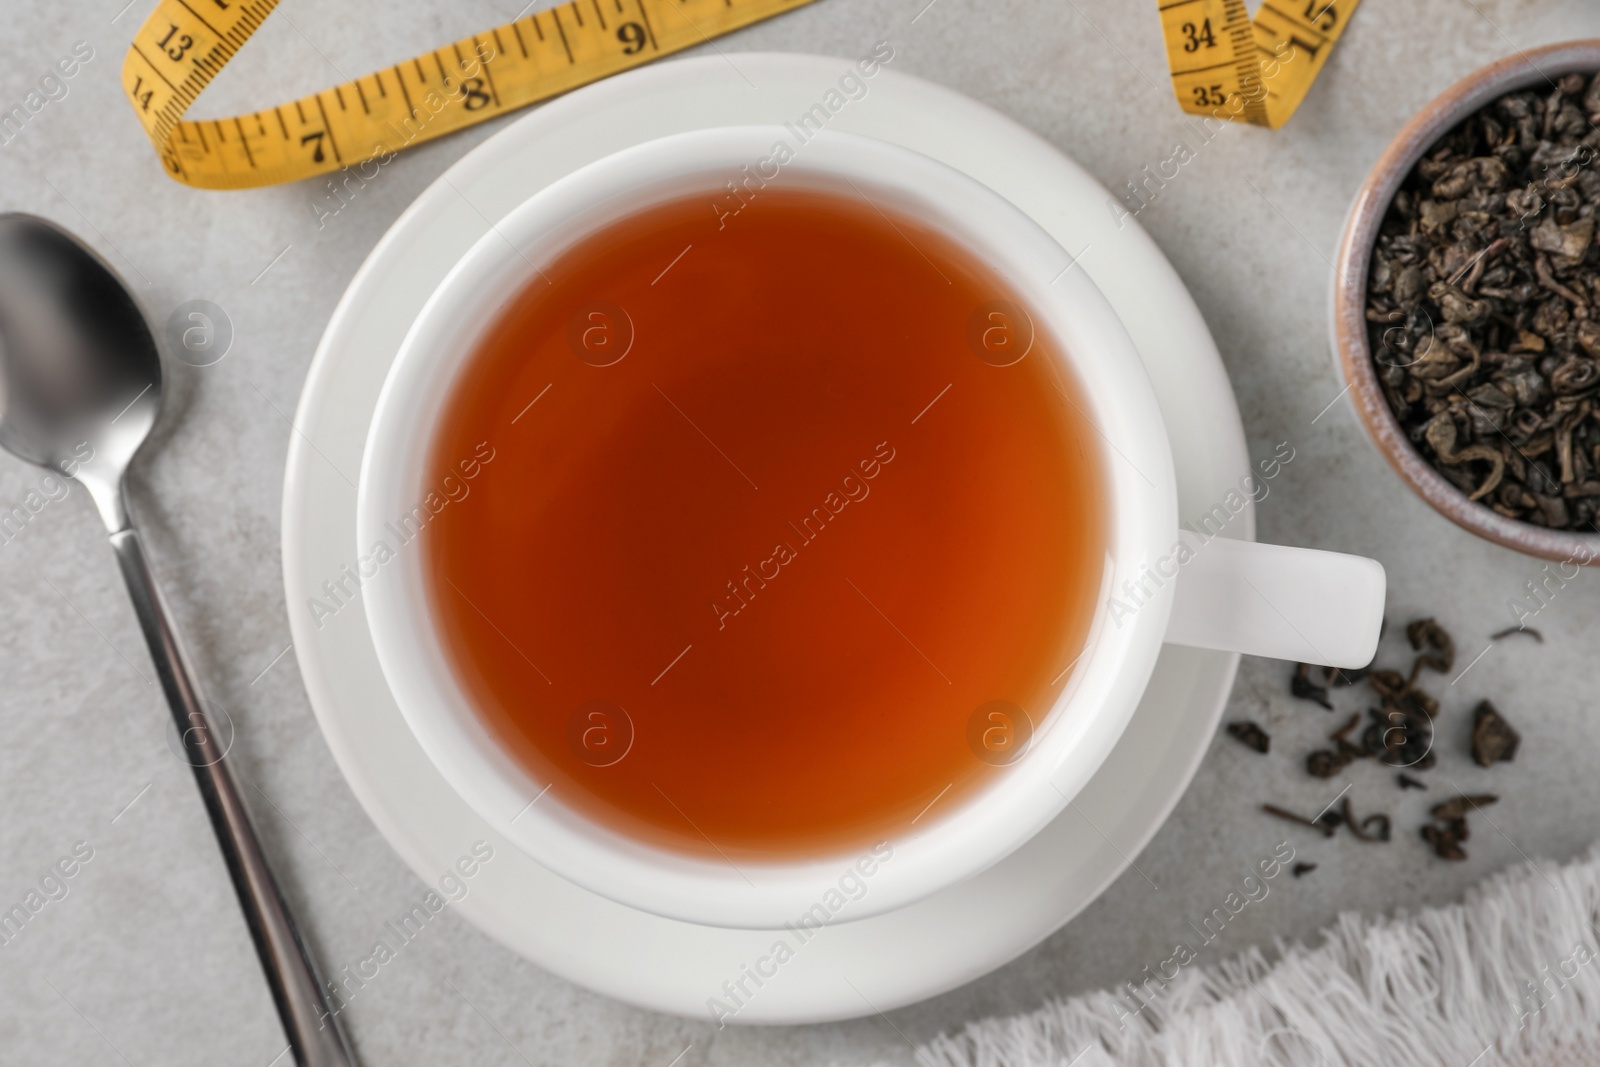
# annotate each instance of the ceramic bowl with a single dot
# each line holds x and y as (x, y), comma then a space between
(1536, 67)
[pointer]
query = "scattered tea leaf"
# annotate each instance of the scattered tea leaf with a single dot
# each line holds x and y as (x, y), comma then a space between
(1426, 633)
(1388, 684)
(1343, 732)
(1459, 808)
(1400, 736)
(1446, 839)
(1250, 734)
(1325, 762)
(1301, 869)
(1302, 686)
(1512, 631)
(1400, 732)
(1493, 739)
(1372, 828)
(1289, 816)
(1450, 831)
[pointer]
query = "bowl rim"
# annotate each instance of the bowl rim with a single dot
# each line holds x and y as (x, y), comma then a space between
(1348, 326)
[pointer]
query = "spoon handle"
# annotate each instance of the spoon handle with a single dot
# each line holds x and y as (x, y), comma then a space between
(311, 1026)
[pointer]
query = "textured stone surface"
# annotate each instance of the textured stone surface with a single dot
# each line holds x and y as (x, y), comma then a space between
(146, 960)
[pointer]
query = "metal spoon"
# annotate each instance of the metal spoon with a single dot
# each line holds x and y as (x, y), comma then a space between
(80, 389)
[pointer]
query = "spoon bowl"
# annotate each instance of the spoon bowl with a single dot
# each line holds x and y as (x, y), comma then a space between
(80, 374)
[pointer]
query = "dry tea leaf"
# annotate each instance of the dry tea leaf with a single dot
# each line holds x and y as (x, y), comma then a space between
(1302, 686)
(1325, 762)
(1401, 736)
(1388, 684)
(1250, 734)
(1458, 808)
(1493, 739)
(1425, 633)
(1289, 816)
(1451, 830)
(1372, 828)
(1446, 840)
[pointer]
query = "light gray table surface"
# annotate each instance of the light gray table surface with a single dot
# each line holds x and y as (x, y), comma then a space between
(145, 959)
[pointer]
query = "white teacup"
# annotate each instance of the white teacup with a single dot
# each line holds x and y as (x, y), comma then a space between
(1238, 596)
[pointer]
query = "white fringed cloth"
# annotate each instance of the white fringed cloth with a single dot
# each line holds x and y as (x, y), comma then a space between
(1510, 976)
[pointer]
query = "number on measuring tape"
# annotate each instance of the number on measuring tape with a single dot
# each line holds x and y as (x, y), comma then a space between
(1228, 66)
(185, 43)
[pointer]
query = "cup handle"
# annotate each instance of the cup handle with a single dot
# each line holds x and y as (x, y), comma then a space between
(1286, 603)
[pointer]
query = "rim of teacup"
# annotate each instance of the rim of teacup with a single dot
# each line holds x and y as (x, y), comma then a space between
(1348, 327)
(1067, 746)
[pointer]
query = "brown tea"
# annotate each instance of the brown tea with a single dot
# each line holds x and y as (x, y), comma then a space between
(791, 525)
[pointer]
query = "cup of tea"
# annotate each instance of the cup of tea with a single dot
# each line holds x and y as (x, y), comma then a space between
(767, 525)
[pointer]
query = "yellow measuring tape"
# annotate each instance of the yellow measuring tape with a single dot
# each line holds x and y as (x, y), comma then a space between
(185, 43)
(1228, 67)
(1223, 65)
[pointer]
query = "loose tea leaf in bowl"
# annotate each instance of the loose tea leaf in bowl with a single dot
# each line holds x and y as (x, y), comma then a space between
(1483, 306)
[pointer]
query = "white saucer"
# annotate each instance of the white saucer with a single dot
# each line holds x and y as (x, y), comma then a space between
(850, 968)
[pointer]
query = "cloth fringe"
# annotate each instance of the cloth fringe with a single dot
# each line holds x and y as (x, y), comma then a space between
(1509, 976)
